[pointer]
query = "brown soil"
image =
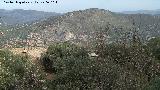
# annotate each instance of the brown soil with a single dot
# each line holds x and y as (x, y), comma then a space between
(34, 53)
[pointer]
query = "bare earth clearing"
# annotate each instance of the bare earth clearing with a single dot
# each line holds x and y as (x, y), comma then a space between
(33, 53)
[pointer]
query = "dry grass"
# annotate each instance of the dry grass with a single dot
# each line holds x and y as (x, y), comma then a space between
(34, 53)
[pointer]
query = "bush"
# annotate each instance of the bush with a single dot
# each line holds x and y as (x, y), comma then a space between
(74, 69)
(59, 52)
(154, 84)
(154, 47)
(17, 72)
(116, 67)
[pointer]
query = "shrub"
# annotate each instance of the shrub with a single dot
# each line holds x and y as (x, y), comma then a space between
(17, 72)
(116, 67)
(154, 84)
(154, 47)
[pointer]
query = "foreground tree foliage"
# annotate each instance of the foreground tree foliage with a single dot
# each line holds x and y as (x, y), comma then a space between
(154, 47)
(18, 73)
(74, 69)
(117, 66)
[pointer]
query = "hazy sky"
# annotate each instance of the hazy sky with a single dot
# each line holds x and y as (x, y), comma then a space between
(70, 5)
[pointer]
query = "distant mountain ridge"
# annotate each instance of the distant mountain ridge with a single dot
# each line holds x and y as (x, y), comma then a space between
(20, 16)
(152, 12)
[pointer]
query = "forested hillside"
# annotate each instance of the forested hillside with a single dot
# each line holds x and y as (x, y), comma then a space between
(92, 49)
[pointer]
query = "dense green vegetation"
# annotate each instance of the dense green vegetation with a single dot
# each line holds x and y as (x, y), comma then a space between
(17, 72)
(118, 66)
(154, 45)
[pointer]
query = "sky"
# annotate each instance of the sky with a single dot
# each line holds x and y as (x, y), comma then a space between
(63, 6)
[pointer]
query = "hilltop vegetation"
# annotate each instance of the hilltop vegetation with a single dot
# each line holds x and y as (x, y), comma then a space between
(82, 27)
